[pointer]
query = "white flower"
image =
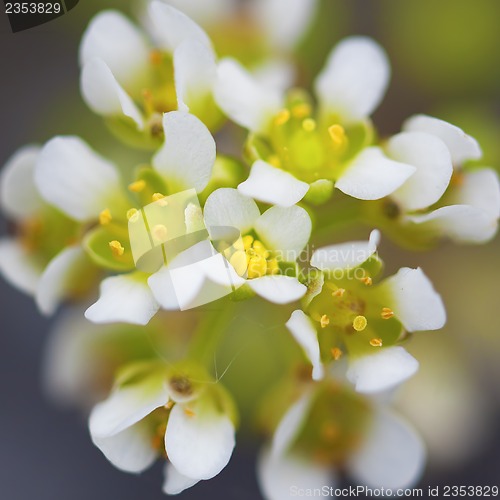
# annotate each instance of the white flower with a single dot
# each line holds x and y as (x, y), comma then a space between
(153, 410)
(279, 235)
(302, 148)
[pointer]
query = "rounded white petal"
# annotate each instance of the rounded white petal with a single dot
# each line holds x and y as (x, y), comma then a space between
(371, 175)
(415, 303)
(460, 223)
(58, 277)
(480, 189)
(434, 168)
(206, 13)
(188, 153)
(127, 405)
(19, 197)
(284, 21)
(130, 450)
(125, 298)
(227, 207)
(303, 330)
(200, 445)
(18, 267)
(354, 80)
(272, 185)
(281, 478)
(194, 72)
(382, 370)
(278, 289)
(111, 37)
(171, 27)
(275, 73)
(104, 95)
(244, 99)
(345, 255)
(462, 147)
(393, 455)
(75, 179)
(175, 482)
(163, 289)
(285, 230)
(291, 424)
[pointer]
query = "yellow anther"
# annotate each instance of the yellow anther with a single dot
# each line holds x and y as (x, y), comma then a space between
(309, 125)
(336, 353)
(324, 321)
(155, 57)
(376, 342)
(337, 134)
(359, 323)
(282, 117)
(274, 161)
(137, 186)
(330, 431)
(257, 266)
(273, 267)
(189, 413)
(387, 313)
(302, 110)
(160, 233)
(260, 249)
(116, 248)
(367, 281)
(105, 217)
(239, 261)
(247, 241)
(160, 199)
(339, 292)
(132, 214)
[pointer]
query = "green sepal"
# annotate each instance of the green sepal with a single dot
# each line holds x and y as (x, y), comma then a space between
(243, 292)
(125, 129)
(320, 191)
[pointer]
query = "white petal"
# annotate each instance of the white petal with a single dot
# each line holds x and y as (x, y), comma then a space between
(284, 21)
(303, 330)
(128, 405)
(194, 71)
(462, 147)
(163, 290)
(285, 231)
(275, 73)
(480, 189)
(393, 456)
(172, 27)
(291, 424)
(460, 223)
(111, 37)
(125, 298)
(18, 194)
(414, 301)
(200, 445)
(245, 100)
(130, 450)
(383, 370)
(272, 185)
(58, 278)
(285, 477)
(75, 179)
(104, 95)
(371, 175)
(206, 13)
(188, 153)
(354, 80)
(278, 289)
(228, 207)
(345, 255)
(434, 168)
(18, 267)
(175, 482)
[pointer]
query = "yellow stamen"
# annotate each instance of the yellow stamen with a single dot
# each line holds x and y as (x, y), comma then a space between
(301, 110)
(367, 281)
(337, 134)
(282, 117)
(273, 266)
(376, 342)
(160, 233)
(257, 266)
(189, 413)
(339, 292)
(116, 248)
(155, 57)
(132, 214)
(359, 323)
(240, 262)
(324, 321)
(336, 353)
(247, 241)
(260, 249)
(309, 125)
(105, 217)
(160, 199)
(330, 431)
(387, 313)
(137, 186)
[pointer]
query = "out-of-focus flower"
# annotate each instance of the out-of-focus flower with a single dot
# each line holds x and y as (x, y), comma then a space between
(178, 412)
(132, 81)
(271, 243)
(347, 312)
(306, 152)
